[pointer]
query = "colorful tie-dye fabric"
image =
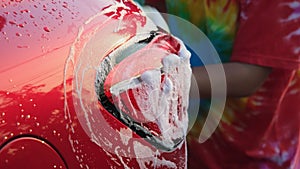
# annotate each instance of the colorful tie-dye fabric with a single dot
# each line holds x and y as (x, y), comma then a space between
(217, 19)
(260, 131)
(265, 126)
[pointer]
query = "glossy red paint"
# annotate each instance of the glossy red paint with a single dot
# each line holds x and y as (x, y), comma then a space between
(36, 86)
(39, 155)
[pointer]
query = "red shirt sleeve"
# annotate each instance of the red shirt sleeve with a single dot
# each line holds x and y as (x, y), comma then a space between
(269, 34)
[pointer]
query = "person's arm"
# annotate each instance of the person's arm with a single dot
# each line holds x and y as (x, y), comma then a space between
(242, 79)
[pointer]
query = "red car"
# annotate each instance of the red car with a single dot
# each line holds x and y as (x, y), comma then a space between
(90, 84)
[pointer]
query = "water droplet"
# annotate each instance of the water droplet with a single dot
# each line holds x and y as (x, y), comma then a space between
(25, 11)
(18, 123)
(18, 34)
(28, 116)
(12, 22)
(65, 5)
(30, 130)
(3, 113)
(5, 138)
(37, 124)
(2, 22)
(46, 29)
(22, 46)
(3, 5)
(31, 16)
(21, 25)
(20, 105)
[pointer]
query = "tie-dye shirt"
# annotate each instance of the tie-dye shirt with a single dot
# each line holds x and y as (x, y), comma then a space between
(216, 18)
(265, 126)
(260, 131)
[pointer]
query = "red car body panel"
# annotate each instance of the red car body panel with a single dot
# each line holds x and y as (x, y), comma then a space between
(39, 127)
(44, 156)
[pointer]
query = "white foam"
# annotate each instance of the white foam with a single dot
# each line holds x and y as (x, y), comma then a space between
(166, 102)
(146, 156)
(125, 135)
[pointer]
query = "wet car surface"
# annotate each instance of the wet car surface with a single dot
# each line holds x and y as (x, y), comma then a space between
(51, 114)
